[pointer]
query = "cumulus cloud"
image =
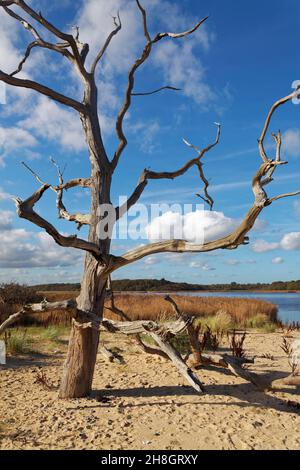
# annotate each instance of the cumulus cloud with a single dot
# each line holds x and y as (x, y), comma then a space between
(198, 227)
(52, 122)
(262, 246)
(291, 241)
(201, 265)
(6, 218)
(24, 249)
(278, 260)
(13, 139)
(4, 195)
(177, 62)
(291, 142)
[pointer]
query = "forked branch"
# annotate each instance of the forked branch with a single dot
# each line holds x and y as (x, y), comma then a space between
(155, 175)
(25, 210)
(239, 236)
(78, 218)
(262, 137)
(43, 90)
(38, 42)
(118, 26)
(131, 78)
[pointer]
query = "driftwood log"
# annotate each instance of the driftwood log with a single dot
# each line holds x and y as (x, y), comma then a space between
(162, 335)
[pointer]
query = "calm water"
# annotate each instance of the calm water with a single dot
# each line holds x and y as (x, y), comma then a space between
(288, 303)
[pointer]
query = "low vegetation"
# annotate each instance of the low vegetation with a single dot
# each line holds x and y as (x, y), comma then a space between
(163, 285)
(231, 311)
(219, 313)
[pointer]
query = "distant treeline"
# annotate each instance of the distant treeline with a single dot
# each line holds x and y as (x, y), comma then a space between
(157, 285)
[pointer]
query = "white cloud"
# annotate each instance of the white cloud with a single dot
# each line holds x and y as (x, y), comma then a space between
(182, 69)
(262, 246)
(278, 260)
(53, 122)
(6, 218)
(13, 139)
(291, 241)
(260, 225)
(23, 249)
(233, 262)
(4, 195)
(177, 61)
(291, 142)
(146, 133)
(9, 55)
(198, 227)
(201, 265)
(42, 118)
(151, 260)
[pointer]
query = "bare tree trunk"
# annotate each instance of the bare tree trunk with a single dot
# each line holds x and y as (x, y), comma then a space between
(81, 357)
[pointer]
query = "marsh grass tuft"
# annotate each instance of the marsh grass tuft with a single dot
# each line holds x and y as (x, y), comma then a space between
(18, 342)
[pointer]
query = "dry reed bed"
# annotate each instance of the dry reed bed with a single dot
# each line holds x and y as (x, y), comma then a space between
(153, 307)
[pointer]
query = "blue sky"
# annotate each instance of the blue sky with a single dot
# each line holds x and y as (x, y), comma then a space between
(230, 71)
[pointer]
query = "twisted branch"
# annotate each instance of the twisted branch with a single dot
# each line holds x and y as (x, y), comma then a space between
(155, 175)
(25, 211)
(107, 43)
(239, 236)
(131, 78)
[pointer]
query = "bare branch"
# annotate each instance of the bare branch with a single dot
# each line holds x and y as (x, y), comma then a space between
(107, 43)
(160, 36)
(276, 105)
(83, 182)
(231, 241)
(11, 320)
(131, 78)
(281, 196)
(156, 91)
(43, 306)
(44, 90)
(144, 15)
(152, 175)
(239, 236)
(80, 219)
(6, 3)
(68, 38)
(24, 23)
(25, 211)
(269, 177)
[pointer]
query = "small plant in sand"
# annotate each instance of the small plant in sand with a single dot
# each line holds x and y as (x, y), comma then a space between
(236, 343)
(42, 379)
(292, 351)
(210, 340)
(268, 356)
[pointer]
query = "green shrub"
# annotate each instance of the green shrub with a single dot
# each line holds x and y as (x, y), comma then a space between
(18, 342)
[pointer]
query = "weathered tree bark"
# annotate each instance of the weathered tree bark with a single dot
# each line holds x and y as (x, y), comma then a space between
(80, 362)
(82, 351)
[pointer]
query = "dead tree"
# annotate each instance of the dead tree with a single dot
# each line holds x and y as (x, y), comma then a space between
(99, 261)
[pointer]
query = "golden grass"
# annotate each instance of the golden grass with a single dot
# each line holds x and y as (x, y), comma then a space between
(152, 307)
(243, 312)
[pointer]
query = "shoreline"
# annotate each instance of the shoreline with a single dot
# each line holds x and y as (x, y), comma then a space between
(205, 292)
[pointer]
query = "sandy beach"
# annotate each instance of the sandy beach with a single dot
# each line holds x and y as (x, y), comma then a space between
(145, 404)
